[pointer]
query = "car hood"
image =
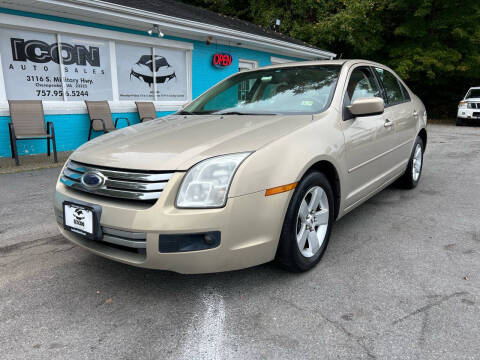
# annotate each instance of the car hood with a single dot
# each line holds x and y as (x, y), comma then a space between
(177, 142)
(473, 100)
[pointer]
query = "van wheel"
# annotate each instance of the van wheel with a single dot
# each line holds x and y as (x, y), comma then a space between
(411, 177)
(307, 225)
(459, 122)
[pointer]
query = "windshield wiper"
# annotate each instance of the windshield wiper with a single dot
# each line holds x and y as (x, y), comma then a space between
(239, 113)
(185, 112)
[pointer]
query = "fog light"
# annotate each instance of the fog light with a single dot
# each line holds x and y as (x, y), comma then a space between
(188, 242)
(209, 239)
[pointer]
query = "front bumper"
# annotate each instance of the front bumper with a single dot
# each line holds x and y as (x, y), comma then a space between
(250, 227)
(468, 113)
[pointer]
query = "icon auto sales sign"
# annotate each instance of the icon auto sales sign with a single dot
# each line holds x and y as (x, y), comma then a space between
(222, 60)
(41, 52)
(36, 66)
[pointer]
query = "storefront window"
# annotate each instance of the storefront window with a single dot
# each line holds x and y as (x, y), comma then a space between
(141, 69)
(34, 70)
(134, 72)
(171, 74)
(86, 64)
(30, 64)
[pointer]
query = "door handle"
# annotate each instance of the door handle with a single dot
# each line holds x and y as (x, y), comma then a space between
(388, 123)
(415, 114)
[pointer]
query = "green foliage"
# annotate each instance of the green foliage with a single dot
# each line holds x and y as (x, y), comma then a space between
(434, 45)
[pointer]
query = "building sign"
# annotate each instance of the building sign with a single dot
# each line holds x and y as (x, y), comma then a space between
(26, 79)
(141, 69)
(31, 66)
(222, 60)
(38, 51)
(86, 64)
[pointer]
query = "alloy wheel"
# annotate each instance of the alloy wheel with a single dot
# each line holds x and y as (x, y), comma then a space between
(417, 162)
(312, 221)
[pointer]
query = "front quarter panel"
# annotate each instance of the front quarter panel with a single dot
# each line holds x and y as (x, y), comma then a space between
(287, 159)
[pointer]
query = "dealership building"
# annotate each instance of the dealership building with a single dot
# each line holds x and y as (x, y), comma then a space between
(64, 52)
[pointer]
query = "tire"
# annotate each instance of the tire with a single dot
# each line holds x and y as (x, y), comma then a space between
(459, 122)
(409, 179)
(289, 255)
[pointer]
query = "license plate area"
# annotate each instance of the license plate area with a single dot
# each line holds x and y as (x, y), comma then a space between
(82, 219)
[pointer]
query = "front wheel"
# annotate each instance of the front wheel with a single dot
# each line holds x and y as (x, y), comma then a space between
(411, 177)
(459, 122)
(307, 225)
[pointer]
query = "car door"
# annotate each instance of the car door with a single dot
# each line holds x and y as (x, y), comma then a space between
(368, 139)
(400, 111)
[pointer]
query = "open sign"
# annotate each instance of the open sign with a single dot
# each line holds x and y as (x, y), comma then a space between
(222, 60)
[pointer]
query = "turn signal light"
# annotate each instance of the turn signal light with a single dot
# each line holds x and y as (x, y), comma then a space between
(280, 189)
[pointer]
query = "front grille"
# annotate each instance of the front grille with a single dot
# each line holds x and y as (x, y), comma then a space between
(131, 241)
(120, 184)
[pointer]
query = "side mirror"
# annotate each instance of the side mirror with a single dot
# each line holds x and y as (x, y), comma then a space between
(367, 106)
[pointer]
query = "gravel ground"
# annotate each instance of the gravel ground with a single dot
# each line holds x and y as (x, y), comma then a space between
(400, 280)
(32, 162)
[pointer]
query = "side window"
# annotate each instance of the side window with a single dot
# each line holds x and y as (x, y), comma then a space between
(362, 84)
(393, 92)
(405, 92)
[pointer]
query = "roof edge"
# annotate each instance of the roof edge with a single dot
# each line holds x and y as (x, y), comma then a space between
(167, 22)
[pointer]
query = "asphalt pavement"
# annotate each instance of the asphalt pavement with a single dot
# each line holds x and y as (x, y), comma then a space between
(399, 280)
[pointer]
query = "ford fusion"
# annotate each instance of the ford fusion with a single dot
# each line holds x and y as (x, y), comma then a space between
(257, 168)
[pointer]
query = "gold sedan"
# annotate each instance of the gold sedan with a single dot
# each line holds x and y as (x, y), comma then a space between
(255, 169)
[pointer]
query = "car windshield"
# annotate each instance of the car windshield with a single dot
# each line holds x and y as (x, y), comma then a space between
(288, 90)
(473, 93)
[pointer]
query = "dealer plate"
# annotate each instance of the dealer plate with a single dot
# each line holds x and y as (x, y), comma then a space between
(79, 219)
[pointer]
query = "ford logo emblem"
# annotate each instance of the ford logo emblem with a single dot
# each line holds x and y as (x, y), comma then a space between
(93, 180)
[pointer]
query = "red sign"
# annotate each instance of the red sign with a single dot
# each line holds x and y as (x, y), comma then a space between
(222, 60)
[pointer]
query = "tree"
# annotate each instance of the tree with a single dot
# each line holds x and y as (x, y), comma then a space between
(434, 45)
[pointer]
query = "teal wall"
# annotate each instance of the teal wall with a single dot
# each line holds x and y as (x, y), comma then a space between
(206, 75)
(71, 130)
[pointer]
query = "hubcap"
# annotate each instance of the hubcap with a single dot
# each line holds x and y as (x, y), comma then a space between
(417, 162)
(312, 221)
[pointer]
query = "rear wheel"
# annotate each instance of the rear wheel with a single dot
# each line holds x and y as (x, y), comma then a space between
(307, 225)
(411, 177)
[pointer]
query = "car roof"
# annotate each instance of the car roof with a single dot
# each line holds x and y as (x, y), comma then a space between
(323, 62)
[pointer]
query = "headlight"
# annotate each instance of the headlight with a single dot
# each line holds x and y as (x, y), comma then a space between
(207, 183)
(462, 105)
